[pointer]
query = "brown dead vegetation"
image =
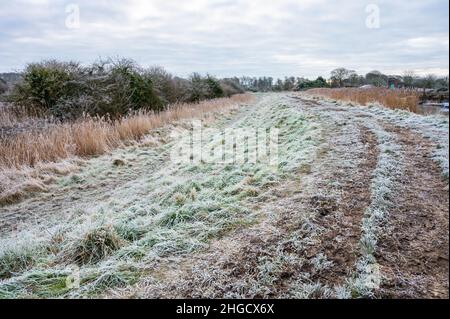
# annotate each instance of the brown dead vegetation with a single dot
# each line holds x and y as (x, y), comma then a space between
(394, 99)
(94, 136)
(32, 159)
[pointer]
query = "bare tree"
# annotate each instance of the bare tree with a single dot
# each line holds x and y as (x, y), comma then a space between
(429, 81)
(355, 80)
(408, 78)
(377, 78)
(339, 76)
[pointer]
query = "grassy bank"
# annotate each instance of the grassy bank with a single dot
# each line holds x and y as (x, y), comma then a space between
(165, 210)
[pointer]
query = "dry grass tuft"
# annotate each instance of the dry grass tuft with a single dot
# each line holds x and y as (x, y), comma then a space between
(15, 184)
(394, 99)
(19, 191)
(96, 245)
(14, 260)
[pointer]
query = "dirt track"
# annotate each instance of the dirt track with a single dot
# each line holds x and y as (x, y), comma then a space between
(335, 192)
(306, 241)
(414, 250)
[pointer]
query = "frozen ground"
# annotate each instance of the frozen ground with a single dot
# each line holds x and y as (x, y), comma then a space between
(358, 207)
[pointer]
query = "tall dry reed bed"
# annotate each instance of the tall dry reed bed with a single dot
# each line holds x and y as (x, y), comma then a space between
(403, 99)
(94, 136)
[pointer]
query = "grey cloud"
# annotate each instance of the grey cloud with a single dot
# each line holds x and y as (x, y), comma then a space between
(224, 37)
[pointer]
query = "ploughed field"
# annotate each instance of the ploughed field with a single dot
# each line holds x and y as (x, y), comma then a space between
(356, 207)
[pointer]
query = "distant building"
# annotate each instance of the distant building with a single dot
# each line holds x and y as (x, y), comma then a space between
(395, 82)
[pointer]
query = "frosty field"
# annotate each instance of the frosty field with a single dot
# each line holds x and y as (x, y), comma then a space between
(356, 207)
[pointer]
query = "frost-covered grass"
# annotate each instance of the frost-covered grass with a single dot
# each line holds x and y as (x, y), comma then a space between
(148, 209)
(435, 127)
(383, 184)
(279, 266)
(15, 259)
(368, 276)
(126, 213)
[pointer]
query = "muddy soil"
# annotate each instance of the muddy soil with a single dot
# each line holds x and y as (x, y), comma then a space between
(415, 249)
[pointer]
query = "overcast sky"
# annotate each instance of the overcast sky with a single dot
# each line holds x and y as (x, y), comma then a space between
(232, 37)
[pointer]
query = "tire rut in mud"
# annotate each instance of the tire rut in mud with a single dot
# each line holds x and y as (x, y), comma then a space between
(341, 221)
(234, 266)
(413, 250)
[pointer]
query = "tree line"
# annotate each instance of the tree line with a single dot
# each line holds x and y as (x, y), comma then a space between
(114, 87)
(342, 77)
